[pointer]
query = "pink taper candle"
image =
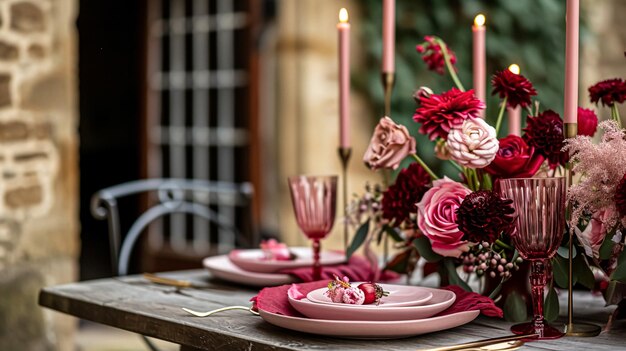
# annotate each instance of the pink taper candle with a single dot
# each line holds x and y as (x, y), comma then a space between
(570, 112)
(389, 36)
(479, 60)
(515, 114)
(343, 27)
(515, 120)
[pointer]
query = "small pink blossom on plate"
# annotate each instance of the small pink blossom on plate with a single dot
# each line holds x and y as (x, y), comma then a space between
(274, 250)
(473, 144)
(353, 296)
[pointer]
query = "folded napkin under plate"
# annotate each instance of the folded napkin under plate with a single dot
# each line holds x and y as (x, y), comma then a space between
(273, 305)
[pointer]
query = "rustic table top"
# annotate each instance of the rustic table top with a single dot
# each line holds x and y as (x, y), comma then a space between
(135, 304)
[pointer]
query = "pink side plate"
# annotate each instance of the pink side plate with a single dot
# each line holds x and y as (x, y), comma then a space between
(370, 329)
(399, 296)
(221, 267)
(441, 299)
(253, 259)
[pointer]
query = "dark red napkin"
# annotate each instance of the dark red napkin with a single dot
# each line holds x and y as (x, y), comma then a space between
(357, 269)
(275, 300)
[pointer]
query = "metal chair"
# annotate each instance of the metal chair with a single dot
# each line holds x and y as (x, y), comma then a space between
(173, 196)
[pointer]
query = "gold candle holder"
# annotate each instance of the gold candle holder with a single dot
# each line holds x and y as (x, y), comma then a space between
(344, 156)
(574, 329)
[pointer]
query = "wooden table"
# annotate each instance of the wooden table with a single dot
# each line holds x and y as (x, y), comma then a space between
(132, 303)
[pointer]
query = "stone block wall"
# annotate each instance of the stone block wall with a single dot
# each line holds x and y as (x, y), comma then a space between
(38, 169)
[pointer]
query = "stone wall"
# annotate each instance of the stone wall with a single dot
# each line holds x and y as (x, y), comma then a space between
(38, 169)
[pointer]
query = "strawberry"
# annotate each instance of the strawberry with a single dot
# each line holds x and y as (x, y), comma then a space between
(373, 292)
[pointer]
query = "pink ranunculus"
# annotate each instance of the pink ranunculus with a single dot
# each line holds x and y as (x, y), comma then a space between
(274, 250)
(473, 144)
(436, 217)
(389, 145)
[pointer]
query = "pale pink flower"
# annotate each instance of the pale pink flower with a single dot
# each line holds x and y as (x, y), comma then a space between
(473, 144)
(601, 167)
(594, 234)
(436, 217)
(389, 145)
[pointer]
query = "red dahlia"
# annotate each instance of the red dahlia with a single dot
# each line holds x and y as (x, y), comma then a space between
(439, 113)
(432, 55)
(401, 198)
(545, 133)
(587, 122)
(620, 197)
(515, 87)
(484, 215)
(608, 92)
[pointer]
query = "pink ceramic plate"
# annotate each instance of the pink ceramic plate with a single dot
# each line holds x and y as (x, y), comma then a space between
(221, 267)
(399, 296)
(441, 299)
(370, 329)
(253, 260)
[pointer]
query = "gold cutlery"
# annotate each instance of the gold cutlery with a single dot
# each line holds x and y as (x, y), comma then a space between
(168, 281)
(489, 344)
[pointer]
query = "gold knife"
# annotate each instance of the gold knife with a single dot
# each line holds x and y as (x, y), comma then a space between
(168, 281)
(485, 342)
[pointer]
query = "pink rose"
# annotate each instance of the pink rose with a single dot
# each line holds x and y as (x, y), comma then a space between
(593, 236)
(274, 250)
(390, 144)
(436, 217)
(473, 144)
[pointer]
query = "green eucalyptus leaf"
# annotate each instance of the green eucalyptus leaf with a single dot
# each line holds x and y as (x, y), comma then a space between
(564, 252)
(619, 273)
(583, 273)
(359, 239)
(453, 275)
(560, 271)
(425, 250)
(551, 306)
(393, 233)
(606, 250)
(515, 308)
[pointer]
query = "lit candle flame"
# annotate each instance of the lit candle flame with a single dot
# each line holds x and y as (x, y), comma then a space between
(479, 20)
(514, 68)
(343, 15)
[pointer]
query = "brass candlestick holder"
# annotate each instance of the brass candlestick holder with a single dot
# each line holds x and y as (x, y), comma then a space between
(388, 79)
(574, 329)
(344, 156)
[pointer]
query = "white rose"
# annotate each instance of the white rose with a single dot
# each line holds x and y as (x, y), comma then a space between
(473, 144)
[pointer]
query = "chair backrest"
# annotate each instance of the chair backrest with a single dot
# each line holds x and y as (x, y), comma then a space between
(175, 197)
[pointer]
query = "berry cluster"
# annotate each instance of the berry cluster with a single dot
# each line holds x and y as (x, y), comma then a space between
(340, 291)
(490, 259)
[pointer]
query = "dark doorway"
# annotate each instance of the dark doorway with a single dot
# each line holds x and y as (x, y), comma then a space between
(110, 75)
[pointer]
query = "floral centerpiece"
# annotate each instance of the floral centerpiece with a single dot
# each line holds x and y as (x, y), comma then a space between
(458, 222)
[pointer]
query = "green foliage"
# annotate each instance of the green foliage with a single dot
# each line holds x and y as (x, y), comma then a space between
(551, 310)
(515, 308)
(453, 275)
(422, 244)
(359, 239)
(530, 33)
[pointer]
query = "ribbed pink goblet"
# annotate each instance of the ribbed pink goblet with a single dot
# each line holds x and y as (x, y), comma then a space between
(314, 200)
(540, 209)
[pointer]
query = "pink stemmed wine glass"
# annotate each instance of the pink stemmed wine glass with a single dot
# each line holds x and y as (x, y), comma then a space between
(540, 210)
(314, 200)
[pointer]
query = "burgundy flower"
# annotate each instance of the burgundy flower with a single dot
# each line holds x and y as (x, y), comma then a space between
(401, 198)
(545, 133)
(440, 113)
(587, 122)
(620, 197)
(515, 159)
(608, 92)
(432, 55)
(515, 87)
(484, 215)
